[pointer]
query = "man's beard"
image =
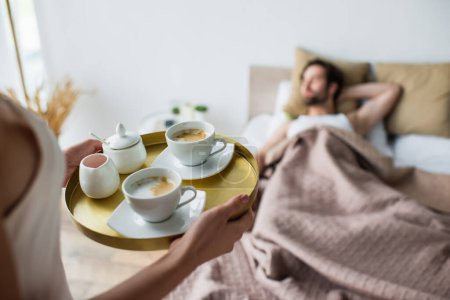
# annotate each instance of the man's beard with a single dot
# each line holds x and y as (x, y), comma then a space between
(316, 100)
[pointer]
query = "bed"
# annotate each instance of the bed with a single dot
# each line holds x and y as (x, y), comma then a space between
(338, 218)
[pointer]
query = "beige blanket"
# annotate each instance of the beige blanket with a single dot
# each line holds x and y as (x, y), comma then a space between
(337, 221)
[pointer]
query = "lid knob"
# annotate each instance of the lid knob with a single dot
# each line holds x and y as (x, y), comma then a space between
(123, 138)
(120, 130)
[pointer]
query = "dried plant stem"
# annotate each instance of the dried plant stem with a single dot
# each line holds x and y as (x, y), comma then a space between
(62, 100)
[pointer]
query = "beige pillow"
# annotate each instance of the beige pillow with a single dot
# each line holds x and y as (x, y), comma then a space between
(425, 104)
(353, 73)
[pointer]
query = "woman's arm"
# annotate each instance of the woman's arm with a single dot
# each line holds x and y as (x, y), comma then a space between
(212, 235)
(19, 156)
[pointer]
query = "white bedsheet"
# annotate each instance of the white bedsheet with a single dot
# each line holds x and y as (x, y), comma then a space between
(429, 153)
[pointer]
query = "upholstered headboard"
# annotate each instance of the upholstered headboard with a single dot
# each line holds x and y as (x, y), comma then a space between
(264, 81)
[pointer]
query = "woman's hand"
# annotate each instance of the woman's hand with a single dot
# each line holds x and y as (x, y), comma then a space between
(76, 153)
(212, 234)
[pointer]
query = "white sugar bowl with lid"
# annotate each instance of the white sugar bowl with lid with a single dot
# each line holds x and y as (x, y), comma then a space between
(126, 150)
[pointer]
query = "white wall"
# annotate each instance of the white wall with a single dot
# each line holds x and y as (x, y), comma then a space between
(138, 55)
(9, 74)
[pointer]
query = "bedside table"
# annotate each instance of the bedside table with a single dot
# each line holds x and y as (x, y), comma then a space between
(160, 121)
(157, 122)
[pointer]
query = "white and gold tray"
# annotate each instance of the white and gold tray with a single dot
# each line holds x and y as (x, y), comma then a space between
(91, 215)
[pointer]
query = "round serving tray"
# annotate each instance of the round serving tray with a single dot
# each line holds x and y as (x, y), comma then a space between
(91, 215)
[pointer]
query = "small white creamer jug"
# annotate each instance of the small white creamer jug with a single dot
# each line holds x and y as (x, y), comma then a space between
(98, 176)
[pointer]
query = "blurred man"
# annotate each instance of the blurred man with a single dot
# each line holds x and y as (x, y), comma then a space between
(321, 89)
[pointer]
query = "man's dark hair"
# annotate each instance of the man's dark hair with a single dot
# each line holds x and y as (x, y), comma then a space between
(334, 74)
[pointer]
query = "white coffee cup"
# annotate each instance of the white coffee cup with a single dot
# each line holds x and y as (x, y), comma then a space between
(150, 207)
(193, 153)
(98, 176)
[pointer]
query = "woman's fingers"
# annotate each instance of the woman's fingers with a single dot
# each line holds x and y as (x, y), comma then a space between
(234, 206)
(242, 224)
(91, 146)
(76, 153)
(174, 243)
(96, 144)
(246, 221)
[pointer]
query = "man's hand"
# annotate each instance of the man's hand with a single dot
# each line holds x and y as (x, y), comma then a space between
(213, 234)
(76, 153)
(278, 136)
(260, 160)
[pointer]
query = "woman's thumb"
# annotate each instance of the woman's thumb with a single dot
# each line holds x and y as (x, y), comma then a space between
(235, 205)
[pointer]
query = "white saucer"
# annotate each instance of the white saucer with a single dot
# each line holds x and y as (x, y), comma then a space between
(211, 167)
(126, 222)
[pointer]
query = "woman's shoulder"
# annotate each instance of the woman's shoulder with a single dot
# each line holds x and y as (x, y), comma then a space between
(11, 115)
(20, 155)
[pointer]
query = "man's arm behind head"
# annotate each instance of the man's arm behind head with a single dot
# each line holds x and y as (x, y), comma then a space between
(381, 100)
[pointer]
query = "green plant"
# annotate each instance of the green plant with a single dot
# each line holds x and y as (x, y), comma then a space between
(175, 110)
(201, 108)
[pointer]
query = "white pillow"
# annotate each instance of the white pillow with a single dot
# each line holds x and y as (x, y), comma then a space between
(279, 116)
(426, 152)
(283, 93)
